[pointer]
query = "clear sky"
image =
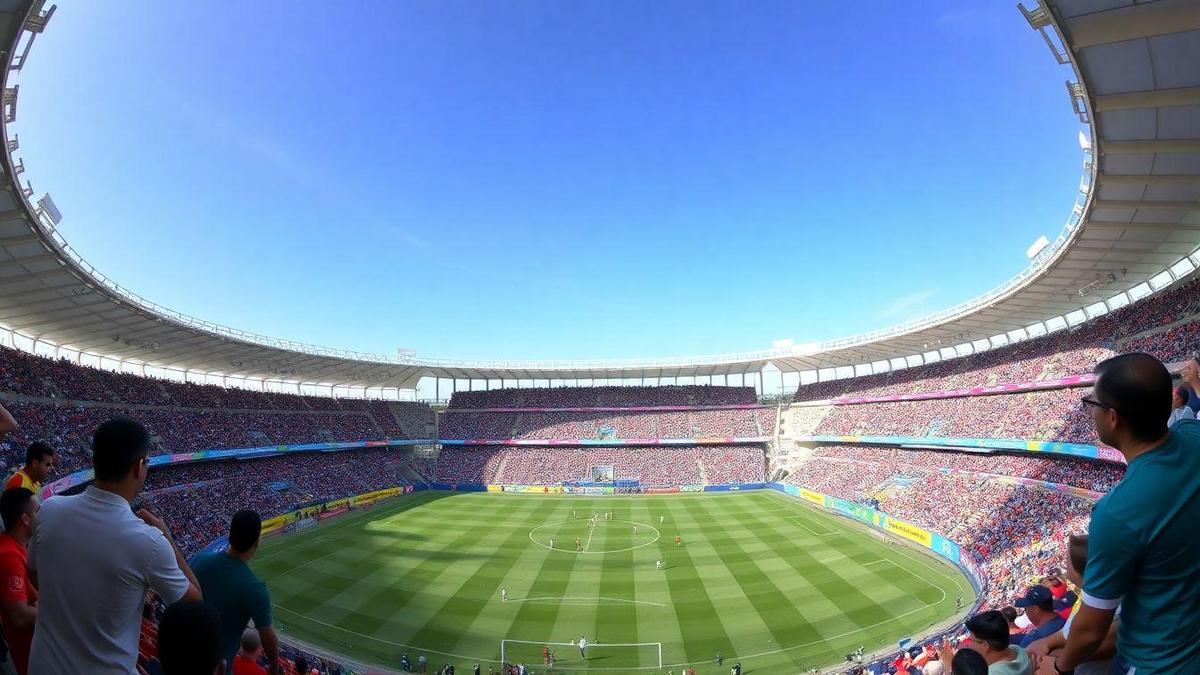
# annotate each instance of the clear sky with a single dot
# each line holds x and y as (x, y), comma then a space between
(584, 179)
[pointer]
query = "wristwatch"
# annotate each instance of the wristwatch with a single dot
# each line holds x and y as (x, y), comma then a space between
(1060, 671)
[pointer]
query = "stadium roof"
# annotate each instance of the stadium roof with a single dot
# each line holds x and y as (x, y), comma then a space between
(1135, 221)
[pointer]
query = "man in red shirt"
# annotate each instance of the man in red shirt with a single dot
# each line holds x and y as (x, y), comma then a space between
(18, 597)
(246, 661)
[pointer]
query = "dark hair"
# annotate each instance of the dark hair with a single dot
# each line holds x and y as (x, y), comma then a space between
(117, 446)
(1010, 613)
(189, 639)
(1138, 387)
(990, 627)
(244, 530)
(1077, 550)
(38, 451)
(1182, 392)
(13, 504)
(968, 662)
(301, 665)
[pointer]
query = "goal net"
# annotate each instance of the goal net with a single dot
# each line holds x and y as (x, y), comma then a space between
(599, 656)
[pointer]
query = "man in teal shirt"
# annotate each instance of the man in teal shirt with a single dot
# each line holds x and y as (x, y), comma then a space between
(228, 584)
(1143, 547)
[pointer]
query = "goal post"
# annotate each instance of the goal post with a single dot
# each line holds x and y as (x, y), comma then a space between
(626, 655)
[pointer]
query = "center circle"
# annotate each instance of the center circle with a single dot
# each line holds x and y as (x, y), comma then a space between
(593, 540)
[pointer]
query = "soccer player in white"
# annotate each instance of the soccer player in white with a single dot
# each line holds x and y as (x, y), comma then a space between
(503, 594)
(635, 529)
(658, 565)
(583, 646)
(660, 520)
(551, 542)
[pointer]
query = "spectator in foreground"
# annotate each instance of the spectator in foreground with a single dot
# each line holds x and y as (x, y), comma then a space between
(246, 661)
(39, 461)
(1038, 604)
(239, 596)
(1190, 374)
(989, 637)
(1143, 552)
(189, 640)
(18, 597)
(1077, 554)
(93, 560)
(1179, 407)
(969, 662)
(7, 422)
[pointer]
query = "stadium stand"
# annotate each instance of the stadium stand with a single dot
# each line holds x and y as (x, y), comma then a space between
(1162, 325)
(653, 466)
(606, 396)
(1015, 532)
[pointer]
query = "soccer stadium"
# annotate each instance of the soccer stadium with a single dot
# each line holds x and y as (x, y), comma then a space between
(858, 505)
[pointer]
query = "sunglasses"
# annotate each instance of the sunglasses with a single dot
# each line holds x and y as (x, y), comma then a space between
(1088, 400)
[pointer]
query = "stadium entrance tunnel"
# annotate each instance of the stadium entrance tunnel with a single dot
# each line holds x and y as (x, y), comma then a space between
(579, 536)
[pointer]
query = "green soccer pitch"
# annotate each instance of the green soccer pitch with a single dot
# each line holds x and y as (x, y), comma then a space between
(759, 576)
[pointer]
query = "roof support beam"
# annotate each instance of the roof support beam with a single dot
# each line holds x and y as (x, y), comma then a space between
(1103, 225)
(1148, 99)
(1149, 147)
(1133, 22)
(1143, 204)
(1146, 179)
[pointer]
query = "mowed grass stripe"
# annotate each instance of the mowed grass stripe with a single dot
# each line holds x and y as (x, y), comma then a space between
(280, 553)
(444, 625)
(619, 619)
(536, 621)
(772, 603)
(415, 592)
(719, 596)
(732, 543)
(853, 609)
(371, 606)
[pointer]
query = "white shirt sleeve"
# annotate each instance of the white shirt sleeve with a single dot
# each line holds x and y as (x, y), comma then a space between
(162, 570)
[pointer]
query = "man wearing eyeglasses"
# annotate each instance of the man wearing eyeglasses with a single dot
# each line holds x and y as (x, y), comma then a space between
(1144, 548)
(94, 560)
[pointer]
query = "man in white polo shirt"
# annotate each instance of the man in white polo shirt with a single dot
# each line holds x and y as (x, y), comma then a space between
(94, 560)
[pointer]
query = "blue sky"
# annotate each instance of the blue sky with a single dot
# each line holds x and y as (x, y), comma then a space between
(585, 179)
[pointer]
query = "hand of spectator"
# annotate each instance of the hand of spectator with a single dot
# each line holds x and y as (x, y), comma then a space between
(1045, 667)
(154, 521)
(1038, 650)
(946, 652)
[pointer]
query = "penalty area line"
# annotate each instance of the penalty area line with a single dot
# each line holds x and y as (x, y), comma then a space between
(799, 520)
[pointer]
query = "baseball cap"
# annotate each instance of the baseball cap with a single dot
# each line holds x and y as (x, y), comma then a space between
(1036, 595)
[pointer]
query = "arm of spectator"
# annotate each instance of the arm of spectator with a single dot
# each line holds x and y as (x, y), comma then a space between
(166, 569)
(1113, 554)
(14, 594)
(1089, 631)
(270, 645)
(1040, 649)
(7, 422)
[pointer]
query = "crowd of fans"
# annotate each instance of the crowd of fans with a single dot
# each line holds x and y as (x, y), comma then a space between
(199, 498)
(61, 380)
(68, 427)
(605, 397)
(559, 425)
(1046, 415)
(665, 466)
(1013, 532)
(1067, 352)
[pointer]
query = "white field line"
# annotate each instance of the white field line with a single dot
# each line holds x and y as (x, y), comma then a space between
(800, 521)
(876, 562)
(583, 600)
(591, 531)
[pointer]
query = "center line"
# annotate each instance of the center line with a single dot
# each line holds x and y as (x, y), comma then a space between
(591, 531)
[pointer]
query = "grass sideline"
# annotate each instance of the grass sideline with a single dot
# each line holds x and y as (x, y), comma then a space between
(760, 576)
